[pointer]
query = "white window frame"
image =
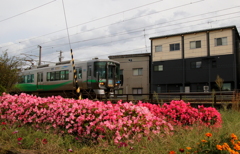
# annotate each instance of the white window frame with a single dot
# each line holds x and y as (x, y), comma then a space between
(137, 90)
(222, 39)
(194, 45)
(137, 71)
(196, 64)
(158, 48)
(158, 68)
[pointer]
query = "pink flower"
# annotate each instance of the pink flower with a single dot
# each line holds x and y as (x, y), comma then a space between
(44, 141)
(122, 144)
(15, 132)
(19, 139)
(4, 123)
(70, 150)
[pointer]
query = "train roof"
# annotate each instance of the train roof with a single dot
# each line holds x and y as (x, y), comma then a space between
(66, 63)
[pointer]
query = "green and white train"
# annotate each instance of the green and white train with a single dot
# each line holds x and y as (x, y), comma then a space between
(94, 77)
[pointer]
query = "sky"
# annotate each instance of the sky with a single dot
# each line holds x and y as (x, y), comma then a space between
(102, 28)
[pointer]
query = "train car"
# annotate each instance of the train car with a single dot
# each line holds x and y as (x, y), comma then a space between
(94, 77)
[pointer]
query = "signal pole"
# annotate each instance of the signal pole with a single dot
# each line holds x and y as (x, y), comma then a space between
(40, 53)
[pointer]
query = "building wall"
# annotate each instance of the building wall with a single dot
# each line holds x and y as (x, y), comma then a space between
(166, 54)
(127, 64)
(221, 50)
(198, 52)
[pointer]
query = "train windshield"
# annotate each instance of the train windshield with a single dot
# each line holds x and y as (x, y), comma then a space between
(112, 69)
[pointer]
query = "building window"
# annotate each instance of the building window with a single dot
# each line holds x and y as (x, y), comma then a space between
(196, 64)
(137, 71)
(158, 48)
(226, 87)
(137, 90)
(174, 47)
(158, 68)
(119, 91)
(220, 41)
(121, 72)
(195, 44)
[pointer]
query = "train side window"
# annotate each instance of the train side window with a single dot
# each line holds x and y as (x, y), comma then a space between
(67, 75)
(25, 79)
(52, 74)
(57, 75)
(21, 79)
(79, 73)
(62, 75)
(40, 77)
(29, 78)
(48, 76)
(32, 78)
(89, 72)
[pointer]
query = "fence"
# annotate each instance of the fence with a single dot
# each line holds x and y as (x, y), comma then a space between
(206, 98)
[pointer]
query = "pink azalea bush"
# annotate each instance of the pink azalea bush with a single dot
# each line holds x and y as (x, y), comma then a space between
(86, 118)
(124, 122)
(181, 113)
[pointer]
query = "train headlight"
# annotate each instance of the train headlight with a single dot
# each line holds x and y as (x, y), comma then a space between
(101, 83)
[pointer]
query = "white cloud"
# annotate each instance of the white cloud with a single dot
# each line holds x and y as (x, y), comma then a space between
(103, 28)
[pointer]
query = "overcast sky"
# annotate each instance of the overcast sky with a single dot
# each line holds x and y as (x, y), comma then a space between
(100, 28)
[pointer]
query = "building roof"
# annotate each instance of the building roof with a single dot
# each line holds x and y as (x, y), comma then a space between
(130, 55)
(204, 30)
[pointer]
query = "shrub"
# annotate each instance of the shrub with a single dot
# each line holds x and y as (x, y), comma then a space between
(85, 118)
(181, 113)
(2, 90)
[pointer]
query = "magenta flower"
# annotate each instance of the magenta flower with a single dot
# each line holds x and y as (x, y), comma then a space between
(123, 144)
(19, 139)
(70, 150)
(3, 123)
(44, 141)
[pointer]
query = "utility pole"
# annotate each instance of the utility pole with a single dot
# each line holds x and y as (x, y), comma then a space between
(40, 53)
(60, 57)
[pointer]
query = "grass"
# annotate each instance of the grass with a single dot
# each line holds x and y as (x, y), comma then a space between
(29, 140)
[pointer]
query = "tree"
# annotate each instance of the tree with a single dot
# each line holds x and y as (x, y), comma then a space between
(9, 69)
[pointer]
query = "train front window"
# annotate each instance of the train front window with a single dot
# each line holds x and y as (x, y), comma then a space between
(113, 69)
(100, 67)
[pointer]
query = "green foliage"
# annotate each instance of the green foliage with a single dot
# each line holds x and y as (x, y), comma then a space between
(2, 89)
(219, 81)
(9, 69)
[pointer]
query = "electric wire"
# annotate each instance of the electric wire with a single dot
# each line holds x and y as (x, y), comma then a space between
(116, 14)
(26, 11)
(140, 29)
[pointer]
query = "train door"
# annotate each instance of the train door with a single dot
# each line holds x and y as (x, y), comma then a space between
(89, 76)
(39, 80)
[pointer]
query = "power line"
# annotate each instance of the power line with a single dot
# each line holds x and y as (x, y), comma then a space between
(94, 20)
(26, 11)
(136, 18)
(117, 34)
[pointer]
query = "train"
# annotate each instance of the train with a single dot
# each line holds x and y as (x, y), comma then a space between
(95, 77)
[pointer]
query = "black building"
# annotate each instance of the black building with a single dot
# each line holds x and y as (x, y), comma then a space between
(191, 61)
